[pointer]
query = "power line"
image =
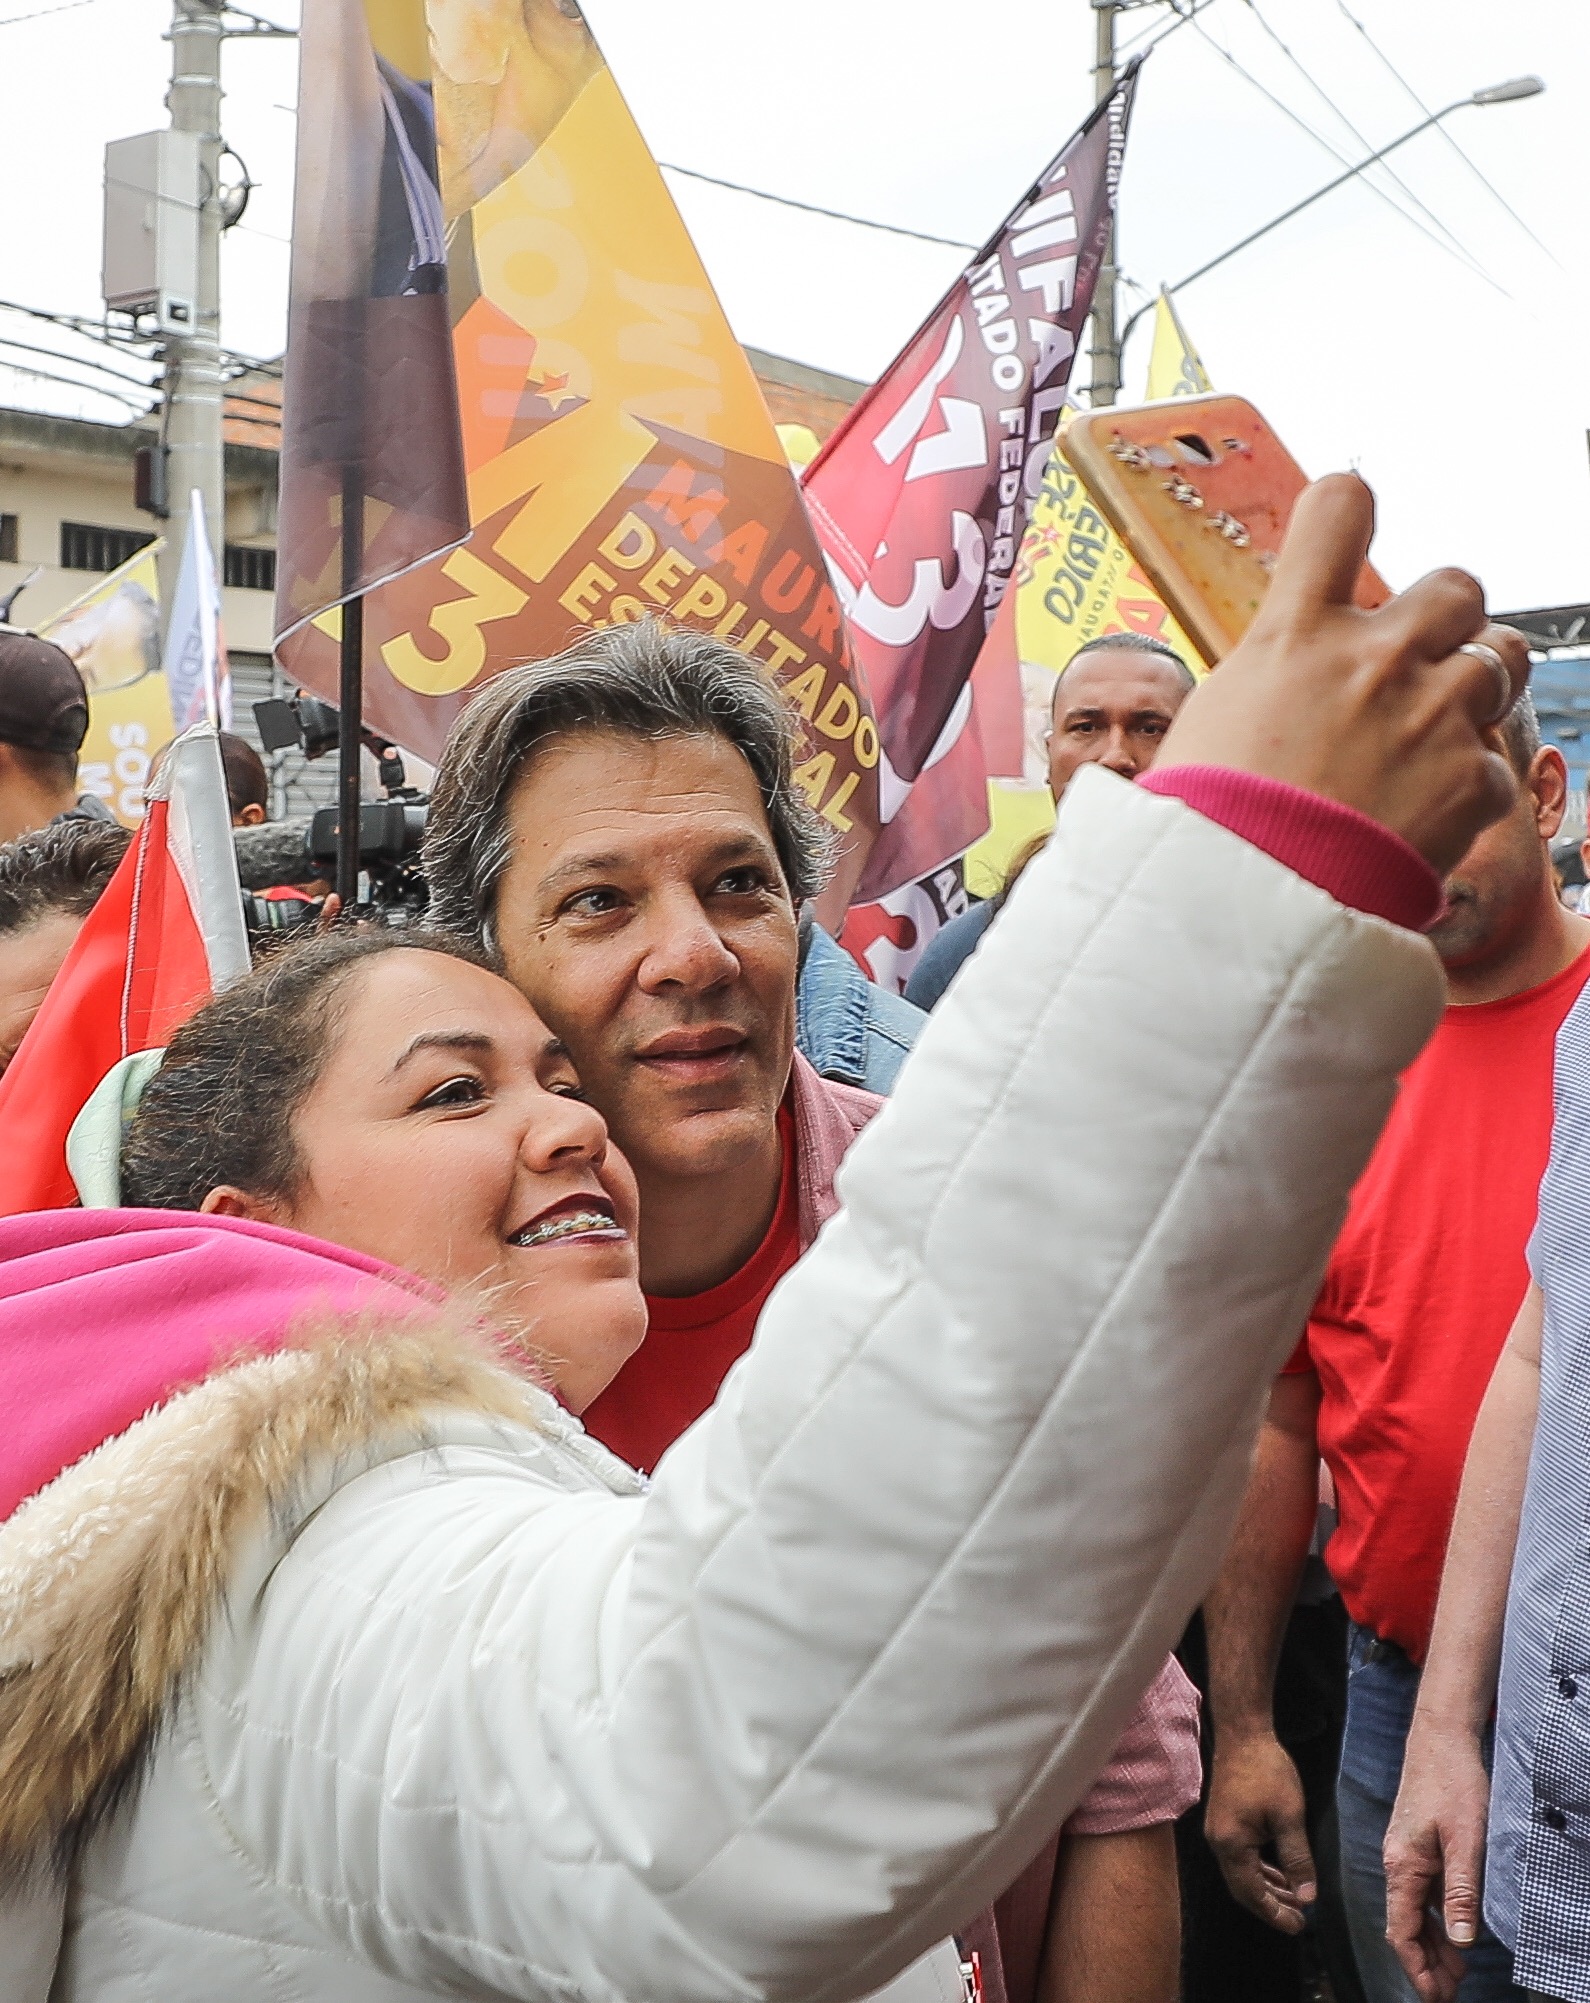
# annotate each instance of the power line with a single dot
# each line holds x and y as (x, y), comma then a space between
(273, 410)
(38, 14)
(192, 208)
(240, 364)
(1150, 38)
(1490, 186)
(1335, 109)
(812, 208)
(77, 362)
(70, 382)
(90, 330)
(129, 344)
(1373, 186)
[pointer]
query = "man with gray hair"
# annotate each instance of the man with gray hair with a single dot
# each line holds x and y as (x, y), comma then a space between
(621, 828)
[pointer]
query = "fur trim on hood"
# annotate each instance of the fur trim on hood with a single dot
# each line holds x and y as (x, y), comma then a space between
(111, 1575)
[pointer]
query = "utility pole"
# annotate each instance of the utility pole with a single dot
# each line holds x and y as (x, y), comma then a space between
(192, 360)
(1106, 385)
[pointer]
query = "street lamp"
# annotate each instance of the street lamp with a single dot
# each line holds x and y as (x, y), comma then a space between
(1496, 93)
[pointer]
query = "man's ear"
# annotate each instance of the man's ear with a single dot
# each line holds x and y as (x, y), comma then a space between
(1548, 781)
(251, 816)
(226, 1201)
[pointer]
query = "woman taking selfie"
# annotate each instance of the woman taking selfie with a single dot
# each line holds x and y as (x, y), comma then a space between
(336, 1663)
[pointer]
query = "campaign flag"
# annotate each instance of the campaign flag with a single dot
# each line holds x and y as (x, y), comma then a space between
(198, 679)
(888, 934)
(1075, 581)
(1174, 368)
(921, 495)
(167, 932)
(112, 632)
(372, 469)
(618, 456)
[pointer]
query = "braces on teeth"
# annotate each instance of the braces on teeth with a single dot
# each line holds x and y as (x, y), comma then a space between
(574, 1224)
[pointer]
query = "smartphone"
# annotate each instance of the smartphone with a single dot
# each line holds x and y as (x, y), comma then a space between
(1200, 490)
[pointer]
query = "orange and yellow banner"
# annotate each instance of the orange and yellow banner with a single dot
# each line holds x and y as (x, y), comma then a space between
(488, 268)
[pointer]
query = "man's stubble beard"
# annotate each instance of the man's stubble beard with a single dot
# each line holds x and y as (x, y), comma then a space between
(1487, 924)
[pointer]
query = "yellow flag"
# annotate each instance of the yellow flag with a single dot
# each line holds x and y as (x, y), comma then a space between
(1173, 365)
(112, 632)
(1075, 581)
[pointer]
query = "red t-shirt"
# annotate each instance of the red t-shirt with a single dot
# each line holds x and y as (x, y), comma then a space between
(1422, 1287)
(692, 1339)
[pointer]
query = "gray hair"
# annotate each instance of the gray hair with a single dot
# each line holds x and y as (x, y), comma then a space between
(646, 680)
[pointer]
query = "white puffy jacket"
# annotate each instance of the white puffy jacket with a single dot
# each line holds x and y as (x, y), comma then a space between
(477, 1717)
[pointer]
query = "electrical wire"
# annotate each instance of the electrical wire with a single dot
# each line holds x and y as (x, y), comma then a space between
(38, 13)
(812, 208)
(1373, 186)
(91, 330)
(273, 411)
(87, 361)
(1151, 37)
(127, 344)
(70, 382)
(1489, 185)
(1363, 138)
(194, 208)
(78, 362)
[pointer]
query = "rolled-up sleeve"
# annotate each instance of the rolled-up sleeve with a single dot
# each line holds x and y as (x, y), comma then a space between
(1156, 1770)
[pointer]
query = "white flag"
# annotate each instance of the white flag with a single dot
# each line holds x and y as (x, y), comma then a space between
(197, 675)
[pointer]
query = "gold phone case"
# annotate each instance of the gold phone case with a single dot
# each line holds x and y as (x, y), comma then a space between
(1200, 490)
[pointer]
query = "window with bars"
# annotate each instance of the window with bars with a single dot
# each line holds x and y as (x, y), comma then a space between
(248, 569)
(85, 546)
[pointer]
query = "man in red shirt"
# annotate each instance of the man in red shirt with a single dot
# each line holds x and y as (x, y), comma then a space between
(621, 826)
(1421, 1290)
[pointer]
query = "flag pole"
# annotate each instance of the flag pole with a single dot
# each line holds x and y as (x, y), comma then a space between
(350, 690)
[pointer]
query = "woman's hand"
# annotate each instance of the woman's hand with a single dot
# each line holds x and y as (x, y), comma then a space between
(1379, 710)
(1434, 1851)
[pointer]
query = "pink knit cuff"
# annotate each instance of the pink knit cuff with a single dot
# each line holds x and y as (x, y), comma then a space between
(1360, 863)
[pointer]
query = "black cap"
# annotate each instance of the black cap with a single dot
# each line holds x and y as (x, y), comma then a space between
(43, 703)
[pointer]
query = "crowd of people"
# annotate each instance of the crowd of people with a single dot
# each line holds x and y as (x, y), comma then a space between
(567, 1466)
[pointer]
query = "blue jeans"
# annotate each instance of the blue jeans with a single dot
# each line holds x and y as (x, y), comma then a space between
(1382, 1685)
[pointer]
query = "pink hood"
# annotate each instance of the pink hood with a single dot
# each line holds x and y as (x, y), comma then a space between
(105, 1313)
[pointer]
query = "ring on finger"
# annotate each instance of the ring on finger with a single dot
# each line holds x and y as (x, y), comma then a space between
(1504, 681)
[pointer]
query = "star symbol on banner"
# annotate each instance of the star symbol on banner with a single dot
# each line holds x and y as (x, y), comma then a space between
(554, 391)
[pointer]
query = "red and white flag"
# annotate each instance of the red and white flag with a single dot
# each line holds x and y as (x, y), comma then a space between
(166, 934)
(198, 678)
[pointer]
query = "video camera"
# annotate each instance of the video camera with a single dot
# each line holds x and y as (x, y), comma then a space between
(304, 852)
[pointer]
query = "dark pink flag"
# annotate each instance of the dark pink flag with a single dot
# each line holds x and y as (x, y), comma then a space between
(920, 498)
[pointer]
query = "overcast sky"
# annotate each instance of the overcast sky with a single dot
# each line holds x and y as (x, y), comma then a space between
(1462, 394)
